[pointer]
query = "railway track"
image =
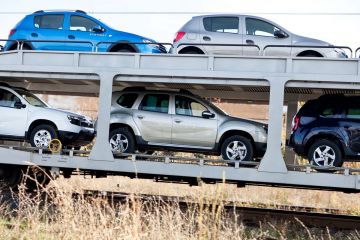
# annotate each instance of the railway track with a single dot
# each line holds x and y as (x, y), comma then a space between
(251, 215)
(246, 212)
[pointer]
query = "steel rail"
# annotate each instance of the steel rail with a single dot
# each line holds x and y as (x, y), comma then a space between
(248, 213)
(188, 160)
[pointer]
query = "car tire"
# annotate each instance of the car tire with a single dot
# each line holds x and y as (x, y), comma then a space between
(242, 147)
(36, 177)
(190, 52)
(25, 47)
(122, 140)
(322, 151)
(10, 177)
(125, 50)
(41, 135)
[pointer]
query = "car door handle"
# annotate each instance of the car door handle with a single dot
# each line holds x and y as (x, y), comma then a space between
(248, 41)
(206, 38)
(177, 121)
(71, 37)
(140, 116)
(34, 35)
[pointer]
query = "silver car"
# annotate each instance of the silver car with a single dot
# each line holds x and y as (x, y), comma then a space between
(219, 30)
(178, 120)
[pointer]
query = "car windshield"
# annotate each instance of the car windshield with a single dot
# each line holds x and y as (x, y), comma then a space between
(214, 107)
(31, 98)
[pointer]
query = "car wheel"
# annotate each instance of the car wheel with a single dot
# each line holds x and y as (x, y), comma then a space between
(41, 136)
(190, 52)
(122, 140)
(36, 177)
(325, 153)
(25, 47)
(125, 50)
(10, 177)
(237, 148)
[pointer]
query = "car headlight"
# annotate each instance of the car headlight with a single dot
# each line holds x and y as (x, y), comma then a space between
(341, 52)
(74, 120)
(150, 43)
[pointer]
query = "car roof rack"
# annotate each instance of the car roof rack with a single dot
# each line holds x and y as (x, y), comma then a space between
(60, 10)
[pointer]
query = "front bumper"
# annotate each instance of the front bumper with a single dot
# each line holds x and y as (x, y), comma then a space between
(84, 137)
(151, 48)
(260, 149)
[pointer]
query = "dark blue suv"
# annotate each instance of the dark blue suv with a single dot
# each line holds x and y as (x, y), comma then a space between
(54, 30)
(327, 130)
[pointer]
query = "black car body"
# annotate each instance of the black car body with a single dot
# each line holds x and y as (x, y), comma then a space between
(328, 128)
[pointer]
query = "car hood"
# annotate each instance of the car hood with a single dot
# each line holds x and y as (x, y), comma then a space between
(301, 40)
(130, 36)
(257, 123)
(64, 112)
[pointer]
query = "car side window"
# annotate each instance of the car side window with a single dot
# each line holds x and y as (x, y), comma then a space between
(331, 110)
(221, 24)
(8, 99)
(259, 27)
(79, 23)
(127, 100)
(189, 107)
(353, 110)
(49, 21)
(155, 103)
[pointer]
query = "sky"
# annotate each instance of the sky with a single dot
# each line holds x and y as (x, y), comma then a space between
(333, 21)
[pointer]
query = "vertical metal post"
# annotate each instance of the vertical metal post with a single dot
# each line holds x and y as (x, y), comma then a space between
(273, 160)
(292, 107)
(101, 149)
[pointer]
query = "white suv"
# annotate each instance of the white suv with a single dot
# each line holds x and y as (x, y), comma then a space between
(23, 116)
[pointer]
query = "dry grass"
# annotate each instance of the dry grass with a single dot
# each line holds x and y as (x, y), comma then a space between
(348, 203)
(59, 216)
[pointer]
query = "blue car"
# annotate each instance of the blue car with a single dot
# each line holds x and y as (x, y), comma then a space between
(75, 31)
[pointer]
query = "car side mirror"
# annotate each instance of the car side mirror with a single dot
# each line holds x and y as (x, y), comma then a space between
(207, 114)
(19, 105)
(280, 34)
(98, 29)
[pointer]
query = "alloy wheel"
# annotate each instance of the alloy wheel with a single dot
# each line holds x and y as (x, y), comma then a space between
(324, 156)
(236, 150)
(119, 142)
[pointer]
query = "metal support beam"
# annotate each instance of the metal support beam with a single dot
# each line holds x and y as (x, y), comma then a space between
(291, 111)
(101, 150)
(273, 160)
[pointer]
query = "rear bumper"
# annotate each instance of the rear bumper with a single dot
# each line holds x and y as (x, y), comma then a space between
(82, 138)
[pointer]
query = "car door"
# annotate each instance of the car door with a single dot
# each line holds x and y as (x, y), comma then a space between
(48, 27)
(352, 123)
(263, 33)
(84, 29)
(221, 30)
(153, 120)
(12, 119)
(189, 128)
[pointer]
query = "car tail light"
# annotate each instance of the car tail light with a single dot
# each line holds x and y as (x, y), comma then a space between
(12, 31)
(179, 35)
(295, 123)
